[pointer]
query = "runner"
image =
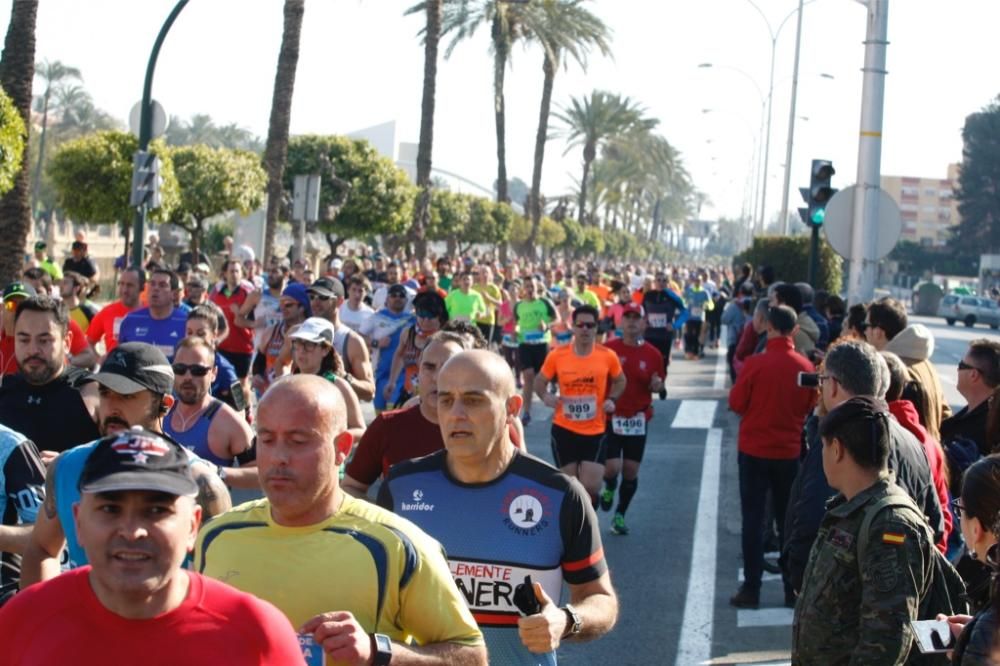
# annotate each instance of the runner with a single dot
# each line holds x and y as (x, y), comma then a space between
(431, 314)
(535, 316)
(463, 303)
(106, 325)
(382, 331)
(326, 297)
(643, 368)
(136, 604)
(295, 308)
(529, 520)
(162, 323)
(493, 298)
(22, 490)
(584, 371)
(664, 310)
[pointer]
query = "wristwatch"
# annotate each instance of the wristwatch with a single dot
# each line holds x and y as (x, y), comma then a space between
(574, 623)
(381, 650)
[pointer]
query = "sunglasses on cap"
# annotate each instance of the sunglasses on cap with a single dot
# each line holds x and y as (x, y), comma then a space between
(313, 296)
(196, 370)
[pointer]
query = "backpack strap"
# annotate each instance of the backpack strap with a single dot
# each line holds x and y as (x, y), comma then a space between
(877, 508)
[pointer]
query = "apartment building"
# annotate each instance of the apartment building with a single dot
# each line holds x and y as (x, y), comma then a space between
(928, 206)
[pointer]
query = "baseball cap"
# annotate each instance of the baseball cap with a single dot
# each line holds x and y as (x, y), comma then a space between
(337, 263)
(136, 366)
(19, 289)
(79, 245)
(137, 460)
(397, 290)
(244, 253)
(40, 245)
(315, 329)
(298, 291)
(632, 308)
(327, 286)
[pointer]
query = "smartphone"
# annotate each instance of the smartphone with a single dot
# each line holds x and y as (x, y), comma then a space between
(933, 636)
(808, 380)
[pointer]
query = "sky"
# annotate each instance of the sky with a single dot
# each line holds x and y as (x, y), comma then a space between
(361, 64)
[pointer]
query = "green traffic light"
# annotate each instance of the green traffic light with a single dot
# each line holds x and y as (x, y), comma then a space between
(819, 215)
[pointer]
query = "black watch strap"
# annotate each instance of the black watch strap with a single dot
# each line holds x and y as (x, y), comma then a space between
(381, 650)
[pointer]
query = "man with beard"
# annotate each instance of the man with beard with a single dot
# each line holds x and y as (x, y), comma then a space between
(49, 401)
(135, 385)
(210, 428)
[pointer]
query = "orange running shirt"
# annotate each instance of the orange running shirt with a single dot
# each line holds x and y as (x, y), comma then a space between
(583, 386)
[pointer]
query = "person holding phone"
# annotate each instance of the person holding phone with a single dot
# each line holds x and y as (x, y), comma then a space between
(979, 511)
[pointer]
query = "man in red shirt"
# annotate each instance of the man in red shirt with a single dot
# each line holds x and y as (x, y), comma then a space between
(105, 324)
(773, 409)
(137, 520)
(643, 366)
(230, 297)
(411, 432)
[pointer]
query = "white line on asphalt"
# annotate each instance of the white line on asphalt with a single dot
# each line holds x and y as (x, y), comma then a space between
(764, 617)
(695, 414)
(720, 362)
(699, 604)
(765, 577)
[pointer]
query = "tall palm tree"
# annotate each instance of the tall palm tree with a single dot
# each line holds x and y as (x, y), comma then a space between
(17, 73)
(509, 22)
(565, 29)
(433, 10)
(592, 120)
(53, 74)
(276, 150)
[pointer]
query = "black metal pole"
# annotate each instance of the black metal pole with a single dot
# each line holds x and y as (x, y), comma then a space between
(814, 256)
(146, 126)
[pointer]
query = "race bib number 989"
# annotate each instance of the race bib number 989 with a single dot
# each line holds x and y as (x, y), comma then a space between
(629, 426)
(579, 408)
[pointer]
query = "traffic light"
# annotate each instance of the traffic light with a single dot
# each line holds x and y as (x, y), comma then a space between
(146, 180)
(819, 193)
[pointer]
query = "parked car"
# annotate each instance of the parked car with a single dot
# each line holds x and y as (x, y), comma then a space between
(970, 310)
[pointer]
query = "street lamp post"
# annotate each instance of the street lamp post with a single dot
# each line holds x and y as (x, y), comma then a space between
(146, 125)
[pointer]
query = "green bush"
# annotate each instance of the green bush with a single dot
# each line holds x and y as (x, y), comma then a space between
(11, 142)
(789, 256)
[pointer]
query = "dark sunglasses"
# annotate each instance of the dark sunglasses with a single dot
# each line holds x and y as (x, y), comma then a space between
(313, 296)
(397, 294)
(181, 369)
(586, 324)
(427, 314)
(962, 365)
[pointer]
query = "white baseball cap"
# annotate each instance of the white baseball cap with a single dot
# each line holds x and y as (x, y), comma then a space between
(315, 329)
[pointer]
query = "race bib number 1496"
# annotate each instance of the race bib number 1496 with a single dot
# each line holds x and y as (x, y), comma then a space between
(629, 426)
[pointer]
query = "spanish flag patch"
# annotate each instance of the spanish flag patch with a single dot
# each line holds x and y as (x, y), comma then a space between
(894, 538)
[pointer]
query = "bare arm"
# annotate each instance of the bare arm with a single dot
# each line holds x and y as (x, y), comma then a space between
(541, 390)
(396, 368)
(354, 488)
(355, 419)
(41, 553)
(596, 604)
(229, 436)
(363, 378)
(86, 359)
(14, 538)
(240, 317)
(617, 387)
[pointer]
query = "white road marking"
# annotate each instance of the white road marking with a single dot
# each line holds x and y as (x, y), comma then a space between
(695, 414)
(764, 617)
(699, 604)
(766, 577)
(721, 369)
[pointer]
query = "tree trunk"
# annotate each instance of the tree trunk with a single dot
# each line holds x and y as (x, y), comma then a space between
(422, 209)
(276, 151)
(535, 199)
(17, 70)
(37, 181)
(196, 232)
(589, 153)
(501, 50)
(334, 243)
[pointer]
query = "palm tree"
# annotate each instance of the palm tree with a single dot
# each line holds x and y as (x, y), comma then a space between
(53, 74)
(17, 72)
(591, 121)
(565, 29)
(422, 209)
(509, 22)
(276, 150)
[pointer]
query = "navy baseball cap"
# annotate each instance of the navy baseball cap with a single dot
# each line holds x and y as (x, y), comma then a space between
(137, 459)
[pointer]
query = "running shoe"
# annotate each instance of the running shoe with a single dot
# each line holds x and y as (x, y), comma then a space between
(525, 419)
(607, 499)
(618, 525)
(663, 394)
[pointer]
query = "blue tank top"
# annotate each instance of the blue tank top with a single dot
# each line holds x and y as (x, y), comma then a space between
(195, 438)
(67, 471)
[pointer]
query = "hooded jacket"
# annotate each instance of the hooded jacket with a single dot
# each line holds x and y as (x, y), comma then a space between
(808, 334)
(915, 346)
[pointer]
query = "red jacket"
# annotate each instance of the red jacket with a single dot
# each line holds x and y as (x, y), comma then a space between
(906, 414)
(773, 406)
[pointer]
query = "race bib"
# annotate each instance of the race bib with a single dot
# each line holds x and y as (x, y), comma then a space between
(534, 336)
(657, 320)
(311, 652)
(580, 407)
(629, 426)
(696, 312)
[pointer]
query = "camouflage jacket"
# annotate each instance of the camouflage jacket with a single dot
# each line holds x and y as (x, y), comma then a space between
(858, 612)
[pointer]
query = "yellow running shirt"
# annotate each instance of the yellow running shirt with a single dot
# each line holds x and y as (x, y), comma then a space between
(391, 576)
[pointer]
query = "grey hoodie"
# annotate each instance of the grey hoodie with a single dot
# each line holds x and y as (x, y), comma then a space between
(807, 335)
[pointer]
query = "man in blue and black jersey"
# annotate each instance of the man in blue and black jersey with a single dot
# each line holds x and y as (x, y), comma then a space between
(504, 516)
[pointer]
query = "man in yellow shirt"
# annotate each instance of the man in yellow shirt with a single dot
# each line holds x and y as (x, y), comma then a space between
(360, 583)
